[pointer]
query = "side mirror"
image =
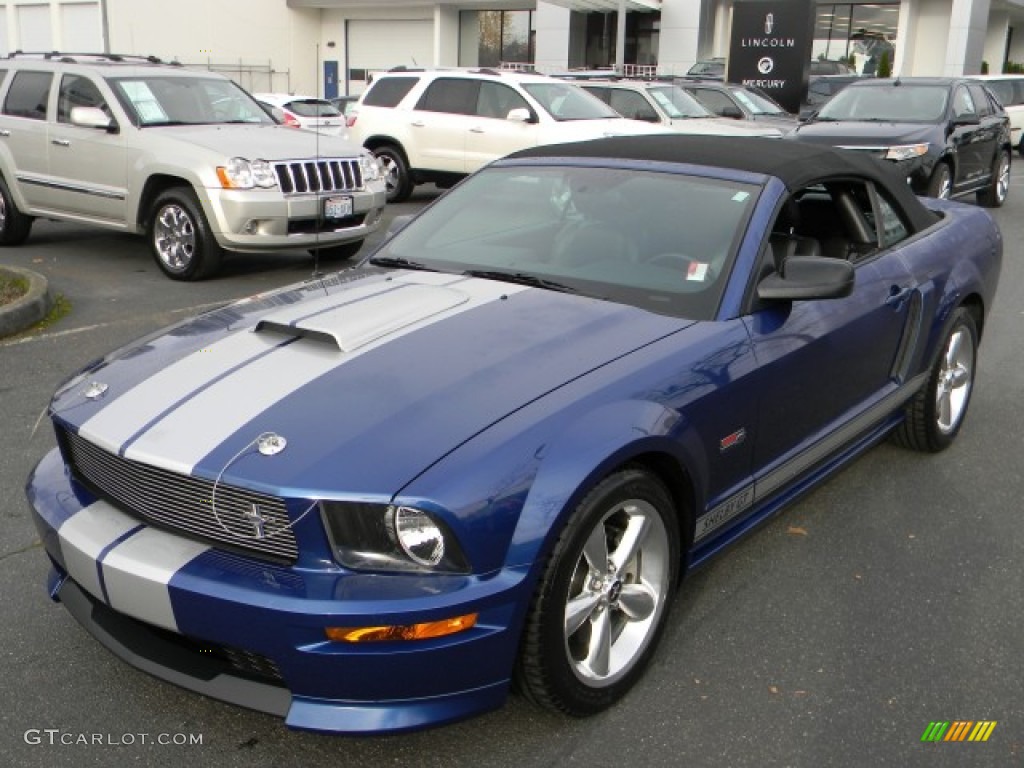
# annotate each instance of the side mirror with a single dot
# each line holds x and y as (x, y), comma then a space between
(966, 120)
(808, 277)
(519, 115)
(92, 117)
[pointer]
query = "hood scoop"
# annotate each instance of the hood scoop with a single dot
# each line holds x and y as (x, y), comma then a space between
(354, 324)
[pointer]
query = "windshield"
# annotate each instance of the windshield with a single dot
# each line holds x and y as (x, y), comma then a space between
(156, 100)
(757, 103)
(888, 103)
(660, 241)
(677, 103)
(564, 101)
(707, 68)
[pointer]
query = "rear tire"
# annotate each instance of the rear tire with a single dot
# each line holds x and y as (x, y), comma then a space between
(602, 601)
(396, 173)
(994, 195)
(181, 240)
(14, 225)
(937, 411)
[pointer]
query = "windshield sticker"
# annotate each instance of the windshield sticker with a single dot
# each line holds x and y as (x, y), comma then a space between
(144, 101)
(698, 271)
(739, 197)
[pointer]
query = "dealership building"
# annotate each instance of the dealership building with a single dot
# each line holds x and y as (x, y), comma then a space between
(329, 47)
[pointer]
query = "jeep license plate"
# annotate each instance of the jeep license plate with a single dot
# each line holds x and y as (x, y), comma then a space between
(337, 207)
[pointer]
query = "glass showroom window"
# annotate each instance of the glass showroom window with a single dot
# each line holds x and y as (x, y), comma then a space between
(494, 38)
(863, 32)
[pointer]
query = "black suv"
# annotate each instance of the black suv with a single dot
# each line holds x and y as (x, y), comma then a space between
(948, 136)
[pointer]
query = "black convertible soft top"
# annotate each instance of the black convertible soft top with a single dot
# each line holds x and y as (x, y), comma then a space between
(794, 163)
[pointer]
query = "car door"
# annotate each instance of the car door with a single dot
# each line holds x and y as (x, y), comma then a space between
(491, 134)
(967, 137)
(23, 134)
(991, 129)
(831, 369)
(440, 122)
(88, 166)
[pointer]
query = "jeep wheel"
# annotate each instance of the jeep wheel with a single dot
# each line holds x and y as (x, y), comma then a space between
(183, 246)
(337, 252)
(14, 225)
(396, 173)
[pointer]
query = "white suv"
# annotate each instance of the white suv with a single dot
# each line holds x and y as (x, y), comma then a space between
(187, 158)
(439, 125)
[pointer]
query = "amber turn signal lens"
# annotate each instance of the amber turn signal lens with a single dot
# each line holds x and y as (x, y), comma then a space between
(422, 631)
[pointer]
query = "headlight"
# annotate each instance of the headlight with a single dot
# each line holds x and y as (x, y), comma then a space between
(906, 151)
(240, 173)
(369, 166)
(380, 537)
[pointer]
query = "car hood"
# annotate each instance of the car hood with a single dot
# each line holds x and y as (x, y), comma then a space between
(258, 142)
(370, 376)
(723, 126)
(581, 130)
(863, 134)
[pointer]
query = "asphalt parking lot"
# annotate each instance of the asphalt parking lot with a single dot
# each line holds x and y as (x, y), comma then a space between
(889, 598)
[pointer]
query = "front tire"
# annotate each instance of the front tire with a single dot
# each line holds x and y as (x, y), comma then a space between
(935, 414)
(396, 173)
(941, 183)
(994, 195)
(603, 598)
(14, 225)
(181, 240)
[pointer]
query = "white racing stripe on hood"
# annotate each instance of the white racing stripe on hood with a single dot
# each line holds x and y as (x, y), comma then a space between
(130, 411)
(188, 433)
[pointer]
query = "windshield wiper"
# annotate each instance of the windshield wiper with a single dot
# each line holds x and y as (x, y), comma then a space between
(521, 278)
(398, 261)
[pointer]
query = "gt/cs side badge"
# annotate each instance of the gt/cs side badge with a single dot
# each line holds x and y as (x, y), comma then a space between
(731, 441)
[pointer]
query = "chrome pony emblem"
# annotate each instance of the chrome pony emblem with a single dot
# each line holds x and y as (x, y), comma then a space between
(255, 518)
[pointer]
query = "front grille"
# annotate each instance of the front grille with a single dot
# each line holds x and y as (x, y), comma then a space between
(303, 176)
(183, 504)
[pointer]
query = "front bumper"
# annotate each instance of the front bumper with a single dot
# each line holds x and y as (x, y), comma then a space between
(252, 633)
(255, 220)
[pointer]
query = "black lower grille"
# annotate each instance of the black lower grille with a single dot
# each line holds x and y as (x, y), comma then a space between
(242, 519)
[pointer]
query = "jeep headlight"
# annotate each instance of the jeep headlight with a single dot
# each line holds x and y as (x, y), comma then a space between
(369, 167)
(391, 537)
(241, 173)
(906, 151)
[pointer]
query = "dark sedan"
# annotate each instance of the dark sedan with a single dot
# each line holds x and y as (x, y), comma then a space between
(949, 136)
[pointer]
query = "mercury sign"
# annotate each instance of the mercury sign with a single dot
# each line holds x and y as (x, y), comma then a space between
(770, 48)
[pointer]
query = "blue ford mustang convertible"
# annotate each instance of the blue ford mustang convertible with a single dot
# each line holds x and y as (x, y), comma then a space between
(486, 456)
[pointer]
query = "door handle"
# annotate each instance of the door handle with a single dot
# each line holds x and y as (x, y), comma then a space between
(417, 123)
(476, 130)
(60, 142)
(897, 296)
(4, 132)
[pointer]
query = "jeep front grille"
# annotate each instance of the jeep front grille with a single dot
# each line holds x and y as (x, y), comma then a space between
(181, 503)
(303, 176)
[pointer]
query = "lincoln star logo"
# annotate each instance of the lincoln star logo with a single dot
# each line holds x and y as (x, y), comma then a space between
(257, 520)
(769, 23)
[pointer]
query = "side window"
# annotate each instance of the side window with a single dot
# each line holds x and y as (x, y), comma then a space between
(604, 94)
(963, 104)
(452, 95)
(388, 91)
(715, 102)
(77, 91)
(497, 100)
(1003, 90)
(632, 105)
(890, 225)
(980, 99)
(28, 95)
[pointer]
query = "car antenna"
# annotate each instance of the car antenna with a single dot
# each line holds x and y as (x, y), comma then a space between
(317, 274)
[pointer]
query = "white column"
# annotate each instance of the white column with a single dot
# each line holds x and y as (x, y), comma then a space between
(995, 40)
(966, 42)
(551, 52)
(680, 35)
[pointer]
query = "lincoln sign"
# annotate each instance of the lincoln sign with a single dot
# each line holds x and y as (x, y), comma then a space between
(770, 47)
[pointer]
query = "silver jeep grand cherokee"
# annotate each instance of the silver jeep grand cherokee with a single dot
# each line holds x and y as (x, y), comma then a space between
(187, 158)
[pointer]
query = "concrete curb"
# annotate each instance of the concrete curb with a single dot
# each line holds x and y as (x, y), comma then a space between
(30, 308)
